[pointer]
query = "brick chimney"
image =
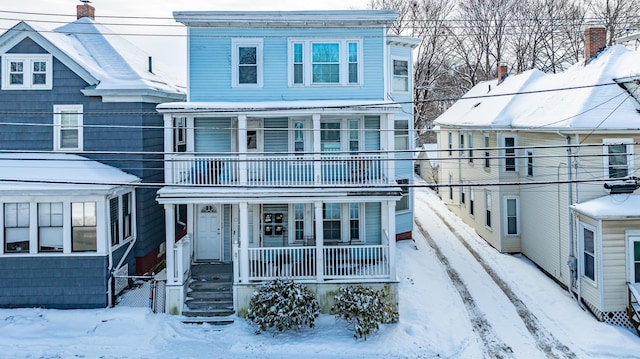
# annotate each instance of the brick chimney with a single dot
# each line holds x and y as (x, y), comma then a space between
(503, 71)
(85, 10)
(595, 40)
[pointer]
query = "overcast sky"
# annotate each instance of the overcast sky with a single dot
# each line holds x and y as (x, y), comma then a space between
(170, 46)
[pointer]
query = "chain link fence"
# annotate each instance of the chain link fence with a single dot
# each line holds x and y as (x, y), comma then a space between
(140, 291)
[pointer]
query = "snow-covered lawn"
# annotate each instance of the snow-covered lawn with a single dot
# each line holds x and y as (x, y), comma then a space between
(450, 306)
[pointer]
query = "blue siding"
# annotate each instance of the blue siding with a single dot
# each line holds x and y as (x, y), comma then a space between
(61, 282)
(213, 134)
(210, 65)
(276, 135)
(373, 223)
(372, 133)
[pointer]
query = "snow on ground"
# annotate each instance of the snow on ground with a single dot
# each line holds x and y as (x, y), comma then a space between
(449, 307)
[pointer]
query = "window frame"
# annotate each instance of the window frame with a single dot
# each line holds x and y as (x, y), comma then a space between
(50, 214)
(607, 143)
(58, 111)
(19, 225)
(583, 252)
(236, 44)
(487, 154)
(401, 130)
(516, 215)
(394, 76)
(307, 61)
(28, 61)
(470, 146)
(509, 154)
(450, 142)
(472, 199)
(529, 158)
(487, 209)
(84, 224)
(405, 195)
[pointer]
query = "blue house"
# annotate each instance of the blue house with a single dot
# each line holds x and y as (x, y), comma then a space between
(289, 158)
(78, 131)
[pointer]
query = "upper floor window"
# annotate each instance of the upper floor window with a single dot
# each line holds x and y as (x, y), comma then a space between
(509, 154)
(618, 157)
(340, 135)
(403, 203)
(450, 143)
(247, 63)
(27, 72)
(401, 134)
(470, 146)
(487, 154)
(180, 134)
(325, 62)
(487, 209)
(400, 80)
(67, 127)
(529, 163)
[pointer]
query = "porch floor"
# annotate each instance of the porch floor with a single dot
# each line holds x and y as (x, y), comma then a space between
(210, 290)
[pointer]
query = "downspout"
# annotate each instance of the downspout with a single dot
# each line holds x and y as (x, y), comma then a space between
(110, 280)
(572, 262)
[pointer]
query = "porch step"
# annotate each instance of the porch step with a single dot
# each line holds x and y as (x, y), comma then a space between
(211, 286)
(210, 292)
(211, 295)
(209, 320)
(209, 313)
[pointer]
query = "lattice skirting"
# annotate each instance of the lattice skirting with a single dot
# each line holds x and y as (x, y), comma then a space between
(614, 318)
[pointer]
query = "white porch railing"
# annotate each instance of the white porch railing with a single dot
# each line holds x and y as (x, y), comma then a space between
(182, 259)
(340, 262)
(272, 170)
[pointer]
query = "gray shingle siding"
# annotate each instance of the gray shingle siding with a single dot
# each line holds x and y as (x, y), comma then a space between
(54, 282)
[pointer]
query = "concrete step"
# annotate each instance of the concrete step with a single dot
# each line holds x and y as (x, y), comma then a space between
(211, 286)
(209, 320)
(198, 314)
(214, 295)
(204, 303)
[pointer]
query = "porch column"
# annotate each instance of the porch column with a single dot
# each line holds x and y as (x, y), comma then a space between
(391, 215)
(168, 148)
(242, 149)
(317, 166)
(319, 242)
(170, 227)
(244, 243)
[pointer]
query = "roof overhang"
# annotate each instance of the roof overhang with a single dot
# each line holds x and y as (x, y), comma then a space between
(287, 19)
(403, 41)
(611, 207)
(133, 95)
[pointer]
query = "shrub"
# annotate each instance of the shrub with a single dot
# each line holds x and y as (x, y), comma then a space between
(283, 304)
(365, 308)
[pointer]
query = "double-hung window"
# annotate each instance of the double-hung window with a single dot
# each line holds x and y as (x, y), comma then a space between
(472, 199)
(511, 216)
(115, 221)
(68, 127)
(325, 62)
(450, 142)
(27, 71)
(331, 222)
(16, 227)
(487, 209)
(400, 80)
(83, 227)
(588, 241)
(50, 227)
(529, 163)
(618, 157)
(127, 216)
(180, 134)
(401, 135)
(470, 146)
(487, 153)
(509, 154)
(403, 203)
(247, 62)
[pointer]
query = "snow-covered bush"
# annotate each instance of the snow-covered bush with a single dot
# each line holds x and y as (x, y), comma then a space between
(365, 308)
(283, 304)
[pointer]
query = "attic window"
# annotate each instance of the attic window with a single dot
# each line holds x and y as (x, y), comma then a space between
(27, 72)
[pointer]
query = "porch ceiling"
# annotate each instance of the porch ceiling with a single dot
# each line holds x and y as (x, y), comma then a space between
(191, 194)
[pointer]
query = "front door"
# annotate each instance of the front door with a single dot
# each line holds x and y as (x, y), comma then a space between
(209, 239)
(633, 250)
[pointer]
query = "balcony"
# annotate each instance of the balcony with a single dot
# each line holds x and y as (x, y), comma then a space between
(279, 171)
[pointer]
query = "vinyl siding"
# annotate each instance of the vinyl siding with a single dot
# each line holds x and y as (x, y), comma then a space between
(614, 263)
(212, 134)
(373, 223)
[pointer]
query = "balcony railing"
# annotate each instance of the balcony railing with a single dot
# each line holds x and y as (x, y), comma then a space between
(269, 170)
(340, 262)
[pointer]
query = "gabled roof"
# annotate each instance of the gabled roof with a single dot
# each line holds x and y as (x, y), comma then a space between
(111, 65)
(304, 19)
(58, 173)
(582, 98)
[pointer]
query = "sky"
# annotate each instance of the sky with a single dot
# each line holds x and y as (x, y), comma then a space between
(449, 308)
(161, 37)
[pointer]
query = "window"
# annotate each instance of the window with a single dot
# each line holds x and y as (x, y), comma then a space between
(470, 146)
(330, 136)
(50, 232)
(83, 227)
(114, 216)
(298, 136)
(588, 252)
(400, 80)
(298, 220)
(450, 143)
(461, 152)
(180, 134)
(127, 220)
(618, 157)
(529, 163)
(354, 222)
(337, 62)
(511, 213)
(487, 208)
(354, 136)
(68, 127)
(487, 154)
(462, 194)
(401, 134)
(16, 227)
(472, 199)
(403, 203)
(331, 222)
(247, 63)
(509, 154)
(27, 72)
(450, 187)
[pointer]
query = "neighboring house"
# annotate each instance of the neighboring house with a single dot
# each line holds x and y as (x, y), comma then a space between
(282, 161)
(427, 163)
(526, 158)
(81, 90)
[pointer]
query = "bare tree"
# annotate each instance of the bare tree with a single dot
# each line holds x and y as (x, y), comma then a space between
(617, 16)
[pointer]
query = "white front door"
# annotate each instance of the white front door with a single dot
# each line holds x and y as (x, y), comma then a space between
(209, 239)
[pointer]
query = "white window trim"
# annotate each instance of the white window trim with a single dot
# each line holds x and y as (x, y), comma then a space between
(247, 42)
(529, 155)
(628, 236)
(344, 131)
(581, 227)
(57, 127)
(306, 134)
(617, 141)
(506, 216)
(472, 200)
(486, 156)
(409, 75)
(408, 195)
(307, 65)
(470, 147)
(504, 153)
(28, 59)
(488, 207)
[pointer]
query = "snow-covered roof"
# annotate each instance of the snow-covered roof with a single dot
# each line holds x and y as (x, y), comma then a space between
(304, 19)
(58, 172)
(615, 206)
(429, 151)
(266, 107)
(111, 65)
(584, 97)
